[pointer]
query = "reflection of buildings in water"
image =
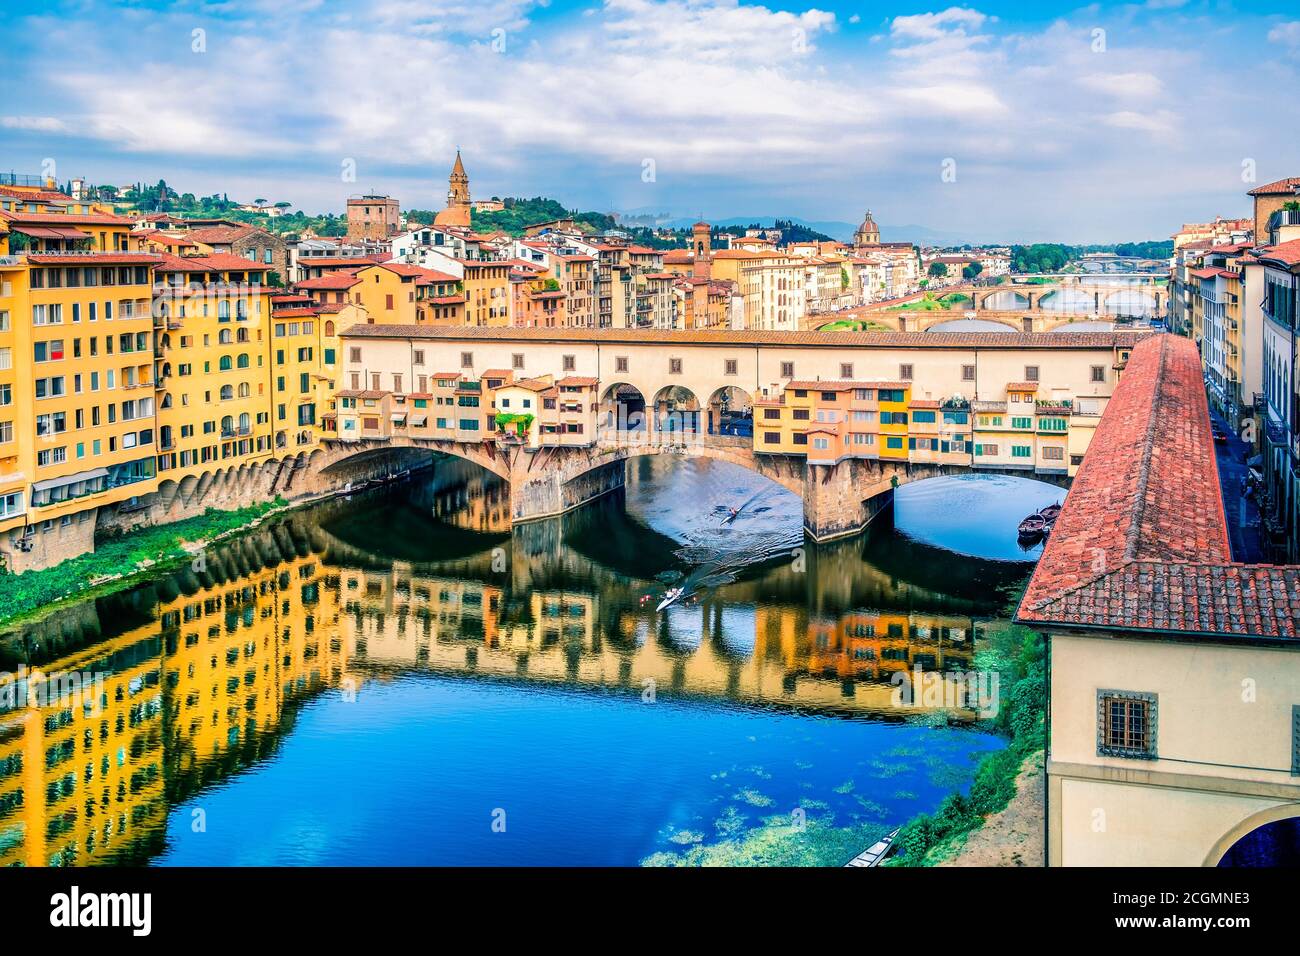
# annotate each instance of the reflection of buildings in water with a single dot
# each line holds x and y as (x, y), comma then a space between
(474, 506)
(208, 686)
(207, 681)
(450, 626)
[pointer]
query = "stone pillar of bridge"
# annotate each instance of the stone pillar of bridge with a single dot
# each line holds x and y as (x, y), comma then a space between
(843, 498)
(548, 482)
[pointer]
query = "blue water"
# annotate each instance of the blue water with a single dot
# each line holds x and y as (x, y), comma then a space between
(416, 771)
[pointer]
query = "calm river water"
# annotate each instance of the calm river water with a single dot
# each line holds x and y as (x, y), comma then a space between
(399, 679)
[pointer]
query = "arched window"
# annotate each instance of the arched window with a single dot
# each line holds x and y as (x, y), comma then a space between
(245, 422)
(243, 390)
(224, 337)
(225, 363)
(242, 361)
(227, 393)
(227, 425)
(241, 335)
(329, 327)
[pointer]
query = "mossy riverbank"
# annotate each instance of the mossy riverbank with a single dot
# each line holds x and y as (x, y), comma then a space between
(117, 562)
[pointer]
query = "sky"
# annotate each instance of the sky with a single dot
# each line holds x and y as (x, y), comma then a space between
(998, 121)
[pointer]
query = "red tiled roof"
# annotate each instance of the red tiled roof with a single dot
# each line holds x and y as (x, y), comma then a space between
(1022, 386)
(839, 385)
(213, 262)
(923, 403)
(293, 312)
(1281, 186)
(1142, 543)
(219, 235)
(330, 280)
(1285, 253)
(1211, 273)
(64, 218)
(1052, 341)
(580, 380)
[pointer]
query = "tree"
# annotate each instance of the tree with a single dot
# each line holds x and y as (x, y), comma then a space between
(938, 270)
(972, 270)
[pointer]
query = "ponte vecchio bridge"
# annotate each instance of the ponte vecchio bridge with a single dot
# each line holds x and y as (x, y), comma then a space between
(696, 374)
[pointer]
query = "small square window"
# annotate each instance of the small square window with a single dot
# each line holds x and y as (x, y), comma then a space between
(968, 373)
(1031, 373)
(517, 360)
(846, 370)
(674, 366)
(905, 372)
(466, 359)
(1099, 373)
(1126, 724)
(729, 367)
(787, 369)
(620, 363)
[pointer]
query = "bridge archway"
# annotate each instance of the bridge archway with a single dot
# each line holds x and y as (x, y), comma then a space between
(1003, 299)
(623, 408)
(676, 409)
(1137, 302)
(728, 407)
(1278, 826)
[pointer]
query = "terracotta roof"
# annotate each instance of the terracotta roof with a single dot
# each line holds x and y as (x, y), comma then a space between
(1212, 273)
(213, 262)
(331, 280)
(580, 380)
(1285, 253)
(1052, 341)
(64, 218)
(1022, 386)
(1287, 185)
(531, 384)
(497, 373)
(923, 403)
(218, 235)
(1142, 543)
(351, 393)
(293, 312)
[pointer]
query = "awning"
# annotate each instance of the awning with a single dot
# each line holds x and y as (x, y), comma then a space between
(70, 479)
(420, 420)
(399, 418)
(51, 232)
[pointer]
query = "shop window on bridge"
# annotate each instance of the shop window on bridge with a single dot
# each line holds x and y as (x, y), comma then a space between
(1021, 451)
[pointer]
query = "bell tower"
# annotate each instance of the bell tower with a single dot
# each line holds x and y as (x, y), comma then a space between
(702, 262)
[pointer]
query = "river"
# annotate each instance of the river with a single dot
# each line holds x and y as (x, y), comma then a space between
(396, 678)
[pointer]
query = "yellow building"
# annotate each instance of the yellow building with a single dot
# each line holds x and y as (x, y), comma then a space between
(77, 424)
(214, 373)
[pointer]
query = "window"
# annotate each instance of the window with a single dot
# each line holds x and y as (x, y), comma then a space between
(905, 372)
(729, 367)
(821, 443)
(1054, 453)
(1021, 451)
(674, 366)
(800, 439)
(620, 363)
(466, 359)
(569, 363)
(846, 370)
(787, 369)
(1031, 373)
(771, 438)
(1126, 724)
(800, 414)
(354, 354)
(968, 373)
(1021, 422)
(925, 418)
(1099, 373)
(517, 360)
(990, 451)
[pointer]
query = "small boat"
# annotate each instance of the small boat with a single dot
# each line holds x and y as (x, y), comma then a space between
(732, 515)
(1035, 526)
(876, 853)
(670, 596)
(1051, 512)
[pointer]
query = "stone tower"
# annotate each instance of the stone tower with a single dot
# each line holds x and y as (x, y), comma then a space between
(702, 264)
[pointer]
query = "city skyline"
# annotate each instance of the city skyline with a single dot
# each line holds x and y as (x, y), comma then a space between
(973, 121)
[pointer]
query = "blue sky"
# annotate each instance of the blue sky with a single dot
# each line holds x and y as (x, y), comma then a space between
(1079, 123)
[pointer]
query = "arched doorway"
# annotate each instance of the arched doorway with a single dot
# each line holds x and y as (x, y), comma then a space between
(730, 412)
(622, 409)
(676, 409)
(1275, 843)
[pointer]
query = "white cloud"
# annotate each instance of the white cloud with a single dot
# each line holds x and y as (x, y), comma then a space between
(1287, 34)
(1124, 85)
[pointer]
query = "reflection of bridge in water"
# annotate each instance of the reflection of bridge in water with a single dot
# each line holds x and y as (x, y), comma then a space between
(205, 668)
